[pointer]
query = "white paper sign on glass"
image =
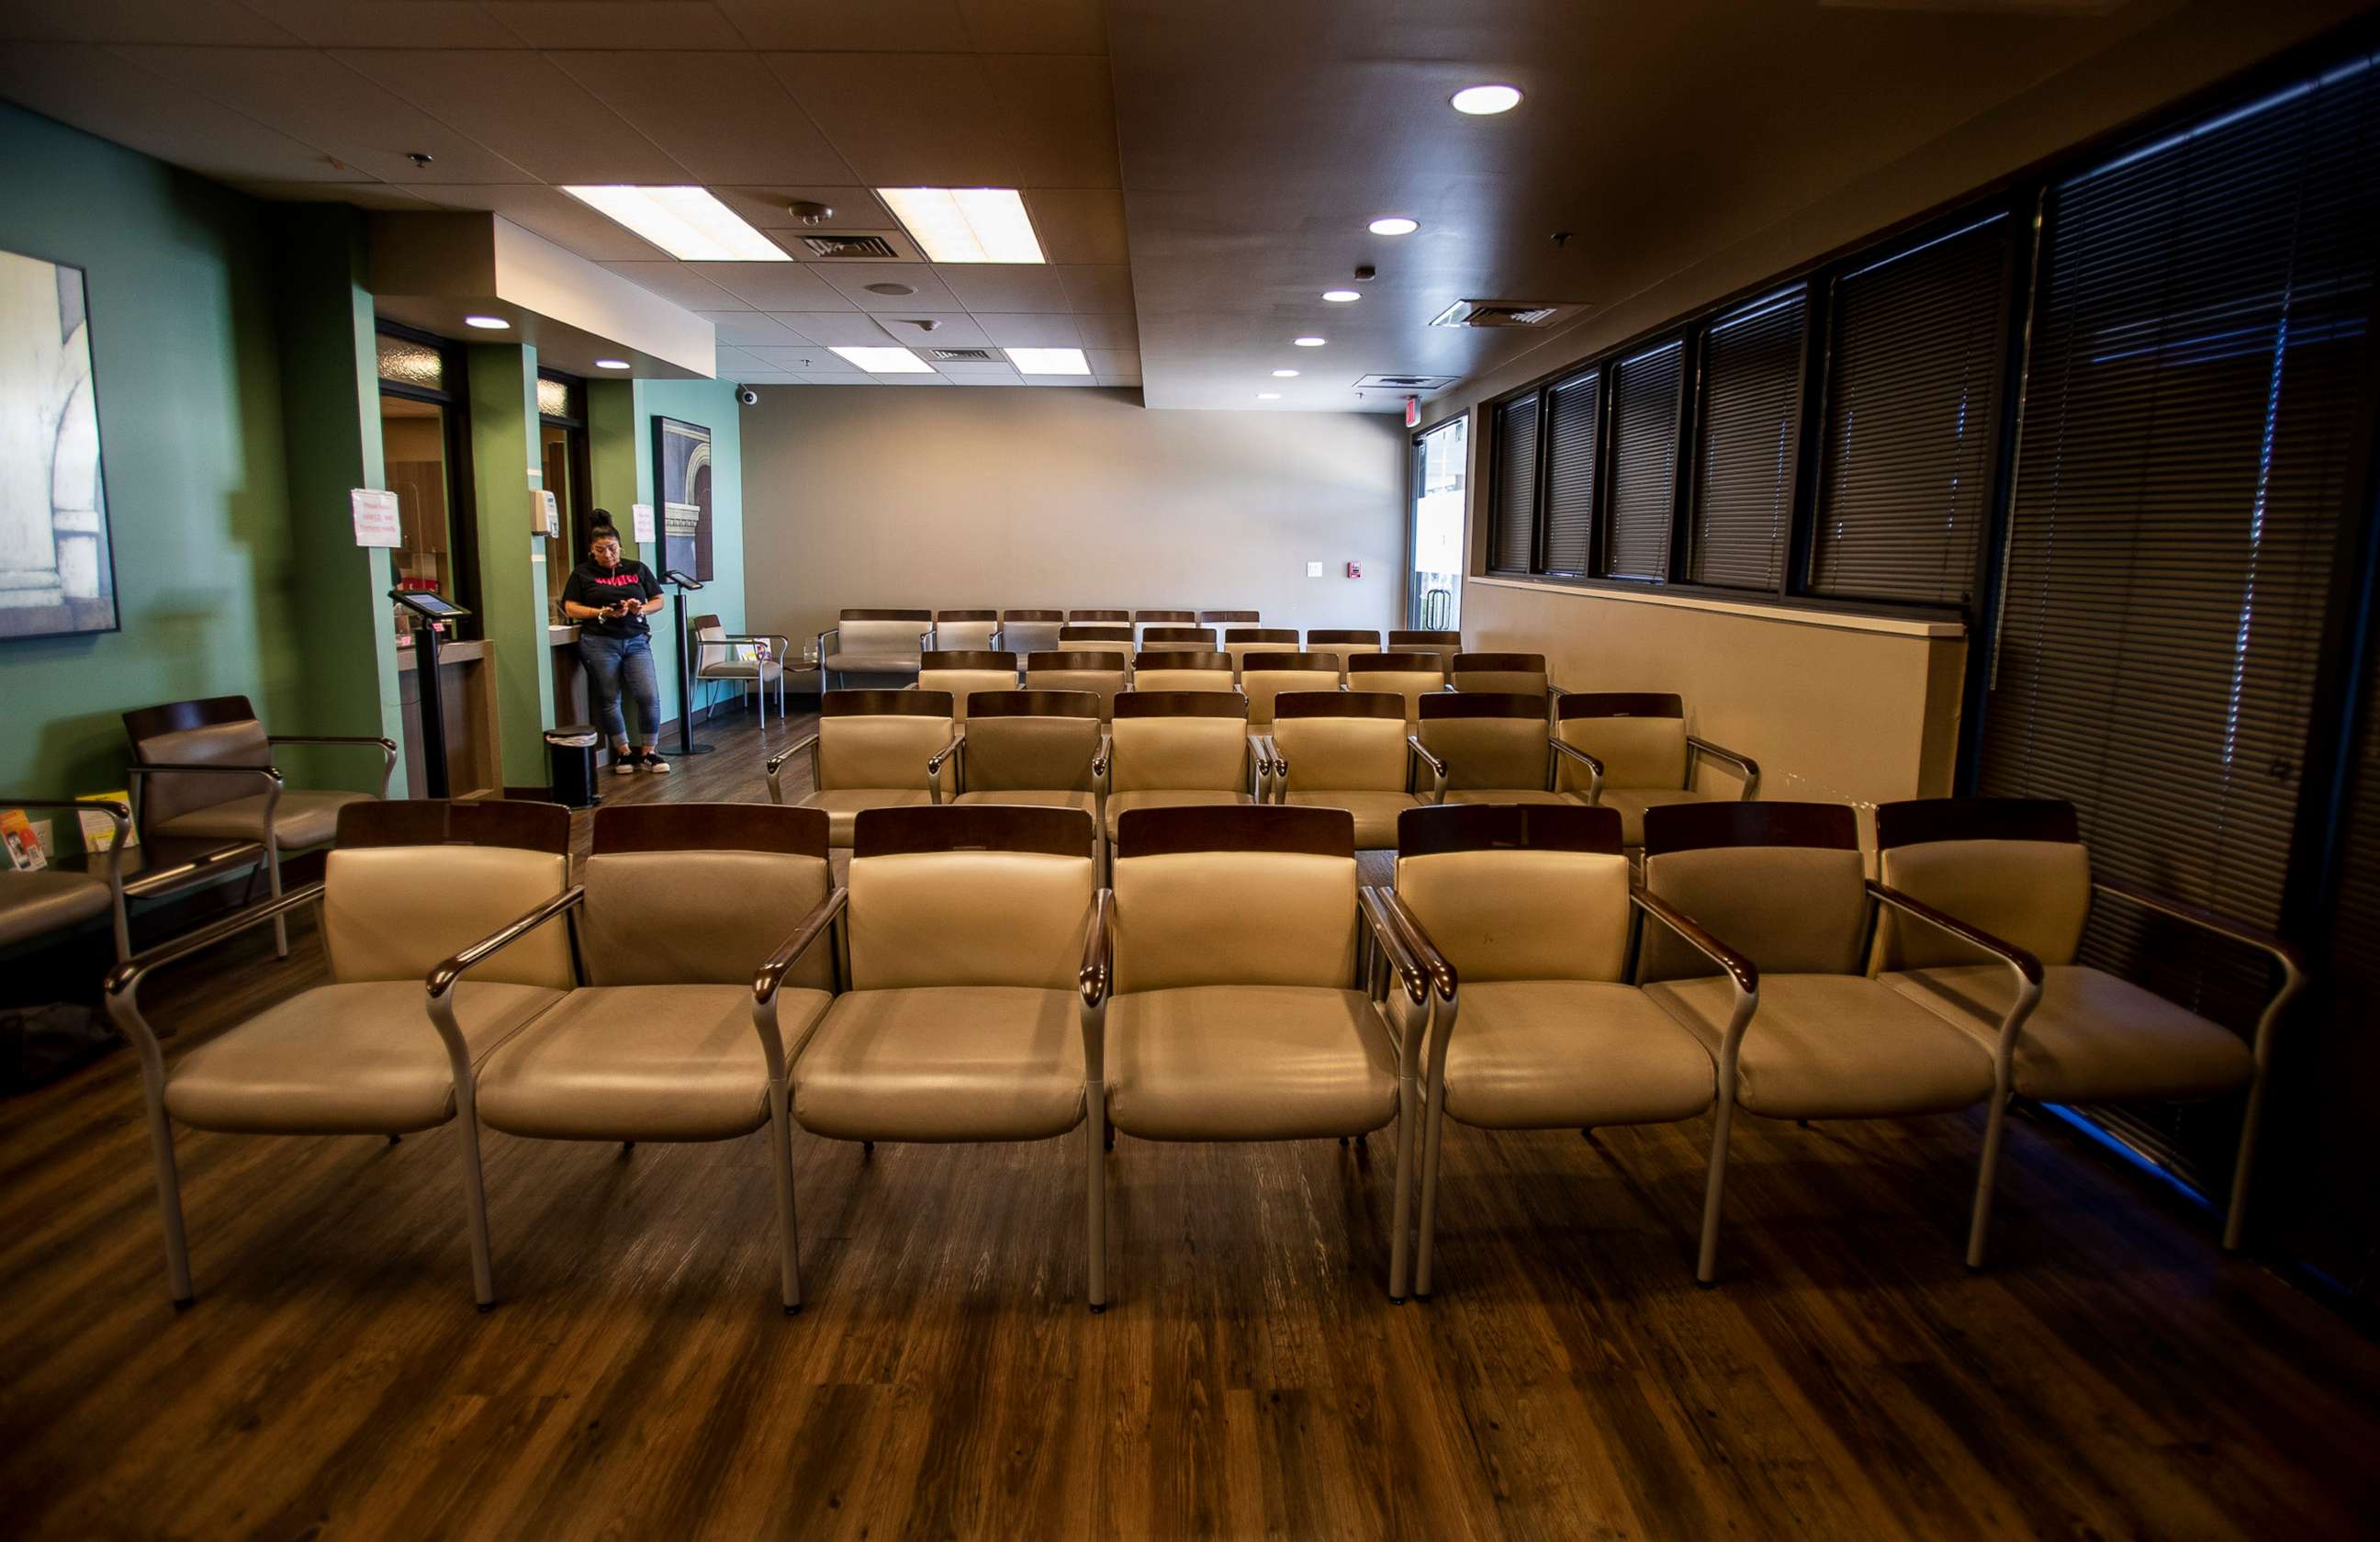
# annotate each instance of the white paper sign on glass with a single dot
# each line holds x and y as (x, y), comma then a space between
(640, 515)
(375, 515)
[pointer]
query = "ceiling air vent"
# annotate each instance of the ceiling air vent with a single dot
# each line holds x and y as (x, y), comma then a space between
(962, 356)
(864, 248)
(1406, 382)
(1504, 313)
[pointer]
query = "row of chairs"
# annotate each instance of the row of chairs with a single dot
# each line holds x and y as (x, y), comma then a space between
(1233, 981)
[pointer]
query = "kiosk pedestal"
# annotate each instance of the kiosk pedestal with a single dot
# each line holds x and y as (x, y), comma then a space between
(434, 610)
(683, 585)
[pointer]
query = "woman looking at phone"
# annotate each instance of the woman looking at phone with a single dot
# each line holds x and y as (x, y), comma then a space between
(610, 599)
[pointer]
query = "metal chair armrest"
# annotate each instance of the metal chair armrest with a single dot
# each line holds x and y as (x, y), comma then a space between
(2279, 950)
(2027, 968)
(118, 814)
(1095, 978)
(772, 975)
(1100, 762)
(179, 769)
(1593, 767)
(775, 766)
(443, 978)
(1738, 968)
(1396, 941)
(126, 977)
(935, 762)
(1271, 766)
(1438, 769)
(387, 749)
(1744, 763)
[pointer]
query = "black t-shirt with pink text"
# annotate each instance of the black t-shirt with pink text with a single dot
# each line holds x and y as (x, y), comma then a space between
(597, 588)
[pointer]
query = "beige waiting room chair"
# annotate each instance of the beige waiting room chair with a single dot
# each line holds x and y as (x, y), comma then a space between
(205, 769)
(1095, 637)
(409, 898)
(2016, 868)
(1630, 751)
(1023, 632)
(963, 675)
(873, 642)
(1446, 645)
(1343, 749)
(724, 658)
(873, 749)
(965, 631)
(1521, 915)
(1230, 618)
(1118, 618)
(1177, 639)
(1101, 673)
(964, 1021)
(1264, 676)
(1488, 747)
(1344, 641)
(677, 910)
(1514, 674)
(1174, 750)
(1034, 749)
(39, 901)
(1803, 1032)
(1241, 641)
(1144, 622)
(1239, 993)
(1409, 676)
(1173, 669)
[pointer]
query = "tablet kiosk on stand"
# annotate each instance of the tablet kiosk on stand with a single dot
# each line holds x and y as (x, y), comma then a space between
(685, 585)
(436, 612)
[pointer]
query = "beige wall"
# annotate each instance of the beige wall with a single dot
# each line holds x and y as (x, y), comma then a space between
(964, 497)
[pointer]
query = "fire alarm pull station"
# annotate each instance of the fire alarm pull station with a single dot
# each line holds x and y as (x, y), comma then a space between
(1355, 570)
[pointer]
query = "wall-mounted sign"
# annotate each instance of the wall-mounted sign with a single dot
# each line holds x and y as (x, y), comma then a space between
(375, 517)
(640, 515)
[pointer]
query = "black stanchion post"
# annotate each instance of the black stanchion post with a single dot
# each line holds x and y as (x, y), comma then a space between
(683, 585)
(433, 610)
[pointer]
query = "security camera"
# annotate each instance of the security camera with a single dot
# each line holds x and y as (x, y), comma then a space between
(748, 396)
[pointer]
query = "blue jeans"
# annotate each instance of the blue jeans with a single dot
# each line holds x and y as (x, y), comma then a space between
(612, 663)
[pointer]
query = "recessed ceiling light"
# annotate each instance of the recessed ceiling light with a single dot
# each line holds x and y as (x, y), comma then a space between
(966, 225)
(488, 323)
(1308, 341)
(1268, 395)
(610, 364)
(1284, 374)
(1342, 296)
(1049, 361)
(1484, 100)
(884, 362)
(689, 224)
(1395, 224)
(891, 289)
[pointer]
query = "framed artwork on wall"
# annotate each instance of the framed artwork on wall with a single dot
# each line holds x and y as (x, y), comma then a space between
(58, 573)
(682, 468)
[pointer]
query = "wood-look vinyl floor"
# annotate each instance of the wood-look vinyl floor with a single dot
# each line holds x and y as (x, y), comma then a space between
(2111, 1375)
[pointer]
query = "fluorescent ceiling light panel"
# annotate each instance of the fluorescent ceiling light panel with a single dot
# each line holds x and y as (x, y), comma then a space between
(884, 362)
(1049, 361)
(687, 222)
(965, 225)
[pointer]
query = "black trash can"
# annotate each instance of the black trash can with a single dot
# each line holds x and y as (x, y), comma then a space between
(570, 752)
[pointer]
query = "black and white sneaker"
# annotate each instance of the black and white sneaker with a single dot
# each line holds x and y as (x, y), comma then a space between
(624, 763)
(654, 763)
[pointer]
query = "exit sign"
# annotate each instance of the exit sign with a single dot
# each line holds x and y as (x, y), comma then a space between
(1413, 412)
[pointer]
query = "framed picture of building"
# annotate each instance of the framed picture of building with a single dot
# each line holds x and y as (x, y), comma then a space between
(57, 574)
(682, 463)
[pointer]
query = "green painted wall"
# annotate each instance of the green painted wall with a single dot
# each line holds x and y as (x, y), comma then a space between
(512, 582)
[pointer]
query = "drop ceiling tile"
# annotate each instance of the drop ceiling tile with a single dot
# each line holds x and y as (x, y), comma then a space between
(552, 214)
(771, 285)
(193, 21)
(1108, 332)
(1079, 382)
(836, 329)
(764, 207)
(743, 328)
(1031, 332)
(852, 378)
(852, 279)
(813, 357)
(1114, 362)
(832, 364)
(1059, 111)
(872, 26)
(1099, 291)
(91, 88)
(907, 120)
(331, 108)
(389, 23)
(735, 363)
(1004, 287)
(678, 283)
(722, 116)
(1079, 225)
(1036, 26)
(523, 107)
(616, 23)
(999, 369)
(1118, 382)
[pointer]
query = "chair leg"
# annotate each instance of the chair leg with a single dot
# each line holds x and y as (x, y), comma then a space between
(1400, 1242)
(1706, 1262)
(1096, 1193)
(474, 1201)
(169, 1196)
(2235, 1219)
(1433, 1129)
(272, 883)
(1986, 1178)
(781, 1159)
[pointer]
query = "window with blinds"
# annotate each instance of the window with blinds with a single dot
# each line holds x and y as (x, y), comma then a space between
(1515, 503)
(1750, 417)
(1644, 400)
(1912, 409)
(2199, 335)
(1572, 421)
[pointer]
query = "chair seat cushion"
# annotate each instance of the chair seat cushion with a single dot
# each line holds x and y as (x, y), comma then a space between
(1834, 1046)
(1035, 798)
(872, 663)
(740, 669)
(46, 900)
(1248, 1062)
(1510, 794)
(844, 805)
(306, 817)
(2092, 1037)
(344, 1059)
(1631, 802)
(642, 1062)
(944, 1062)
(1375, 812)
(1188, 798)
(1544, 1055)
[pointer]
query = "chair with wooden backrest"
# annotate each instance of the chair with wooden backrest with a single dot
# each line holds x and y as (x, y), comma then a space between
(1036, 750)
(1527, 908)
(1177, 639)
(205, 769)
(1171, 669)
(1023, 632)
(1095, 637)
(1103, 673)
(1227, 619)
(1265, 676)
(1242, 974)
(409, 899)
(1629, 750)
(1446, 645)
(677, 910)
(1409, 675)
(1241, 641)
(873, 642)
(963, 675)
(1343, 642)
(965, 631)
(1172, 749)
(1343, 749)
(1784, 885)
(2017, 870)
(964, 1020)
(1143, 622)
(1513, 674)
(736, 657)
(873, 749)
(1488, 747)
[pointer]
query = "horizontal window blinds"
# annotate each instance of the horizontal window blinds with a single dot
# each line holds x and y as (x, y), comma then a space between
(1743, 479)
(1516, 484)
(2191, 399)
(1572, 423)
(1645, 390)
(1912, 406)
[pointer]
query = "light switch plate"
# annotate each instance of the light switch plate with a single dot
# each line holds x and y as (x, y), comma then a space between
(1314, 570)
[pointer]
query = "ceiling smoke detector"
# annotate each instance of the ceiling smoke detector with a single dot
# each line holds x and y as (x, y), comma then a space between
(808, 212)
(1505, 313)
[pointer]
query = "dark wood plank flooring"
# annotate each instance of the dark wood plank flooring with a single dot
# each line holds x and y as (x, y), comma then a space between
(2111, 1375)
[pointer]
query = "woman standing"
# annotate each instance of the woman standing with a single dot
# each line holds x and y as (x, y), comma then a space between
(610, 599)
